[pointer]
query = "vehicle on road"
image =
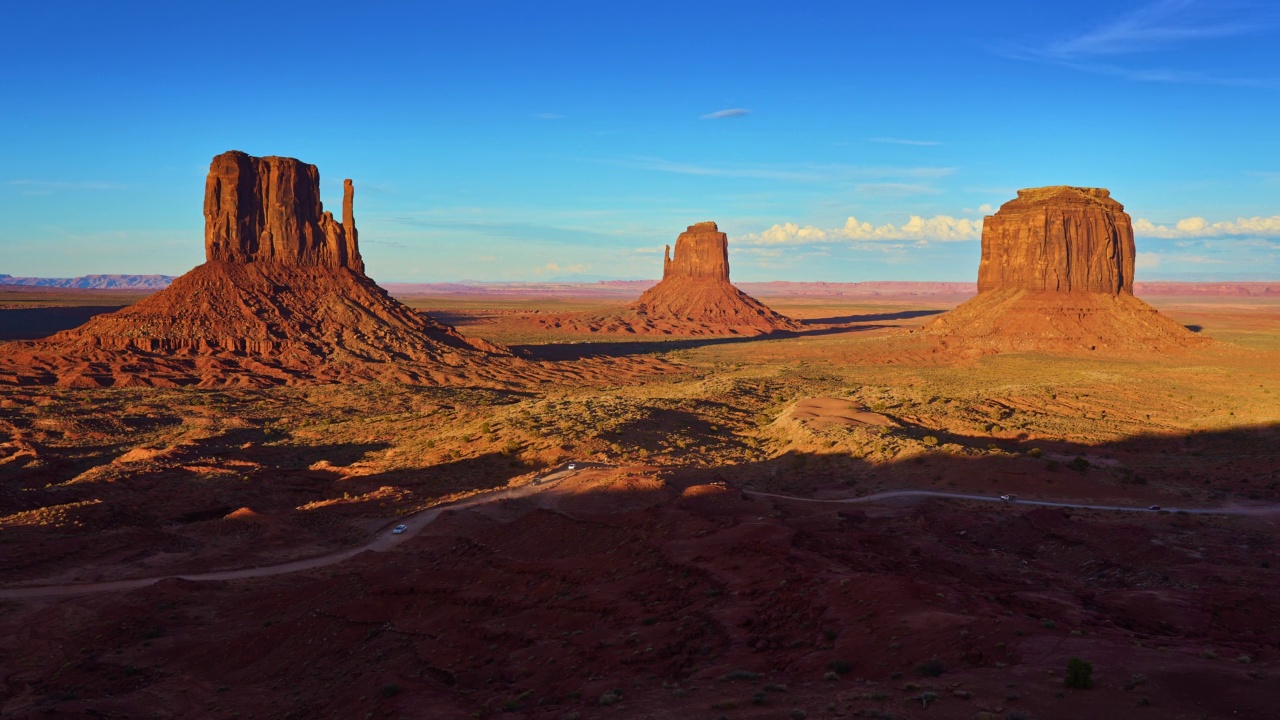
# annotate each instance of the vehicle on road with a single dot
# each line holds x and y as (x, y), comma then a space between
(399, 529)
(1008, 498)
(1154, 507)
(572, 466)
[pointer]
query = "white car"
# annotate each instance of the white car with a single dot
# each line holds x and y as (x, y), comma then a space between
(1154, 507)
(399, 529)
(1008, 498)
(572, 466)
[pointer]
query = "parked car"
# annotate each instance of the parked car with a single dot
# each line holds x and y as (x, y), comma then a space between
(399, 529)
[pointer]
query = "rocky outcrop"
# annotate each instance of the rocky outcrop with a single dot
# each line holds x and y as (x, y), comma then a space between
(702, 253)
(1057, 274)
(695, 297)
(1058, 239)
(282, 299)
(267, 209)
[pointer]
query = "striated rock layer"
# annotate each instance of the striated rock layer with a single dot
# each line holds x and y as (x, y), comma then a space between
(1057, 274)
(695, 297)
(282, 299)
(268, 210)
(1058, 239)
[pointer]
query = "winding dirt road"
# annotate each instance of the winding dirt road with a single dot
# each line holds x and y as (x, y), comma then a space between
(1233, 510)
(382, 541)
(385, 539)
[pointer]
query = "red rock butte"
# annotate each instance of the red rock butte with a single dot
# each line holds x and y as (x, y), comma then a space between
(702, 253)
(1057, 274)
(268, 210)
(1058, 239)
(694, 297)
(281, 299)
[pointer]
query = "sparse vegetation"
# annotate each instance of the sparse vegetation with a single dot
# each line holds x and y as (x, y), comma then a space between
(1079, 674)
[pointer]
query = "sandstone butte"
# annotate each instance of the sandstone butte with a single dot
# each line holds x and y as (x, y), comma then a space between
(694, 297)
(1057, 274)
(281, 299)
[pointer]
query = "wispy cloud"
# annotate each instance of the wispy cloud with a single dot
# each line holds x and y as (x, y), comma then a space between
(726, 113)
(1159, 26)
(788, 172)
(903, 141)
(1198, 227)
(939, 228)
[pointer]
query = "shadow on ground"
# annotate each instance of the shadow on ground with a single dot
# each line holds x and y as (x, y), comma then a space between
(36, 323)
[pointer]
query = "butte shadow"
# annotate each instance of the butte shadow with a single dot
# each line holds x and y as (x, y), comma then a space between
(281, 299)
(1057, 275)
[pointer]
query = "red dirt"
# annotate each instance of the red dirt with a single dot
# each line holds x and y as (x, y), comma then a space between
(632, 597)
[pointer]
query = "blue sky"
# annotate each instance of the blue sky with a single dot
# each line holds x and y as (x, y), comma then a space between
(545, 140)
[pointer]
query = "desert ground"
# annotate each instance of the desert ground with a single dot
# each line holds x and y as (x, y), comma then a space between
(651, 581)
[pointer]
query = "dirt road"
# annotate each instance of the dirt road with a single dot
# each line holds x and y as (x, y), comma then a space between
(385, 539)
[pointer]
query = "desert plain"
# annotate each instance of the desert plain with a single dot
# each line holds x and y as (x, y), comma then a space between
(655, 580)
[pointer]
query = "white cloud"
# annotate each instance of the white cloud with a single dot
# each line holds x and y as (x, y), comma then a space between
(1198, 227)
(557, 268)
(1146, 260)
(726, 113)
(939, 228)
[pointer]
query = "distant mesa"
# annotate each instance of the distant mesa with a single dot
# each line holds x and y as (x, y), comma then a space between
(1057, 274)
(282, 299)
(695, 297)
(93, 282)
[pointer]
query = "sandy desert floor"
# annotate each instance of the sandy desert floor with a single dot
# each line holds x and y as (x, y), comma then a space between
(652, 586)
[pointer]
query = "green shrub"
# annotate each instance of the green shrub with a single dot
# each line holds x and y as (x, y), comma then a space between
(1079, 464)
(931, 668)
(1079, 674)
(843, 667)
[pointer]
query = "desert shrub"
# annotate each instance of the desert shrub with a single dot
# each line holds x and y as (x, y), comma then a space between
(798, 714)
(930, 440)
(830, 676)
(610, 698)
(1079, 674)
(760, 698)
(1035, 452)
(1079, 464)
(931, 668)
(389, 691)
(741, 675)
(840, 666)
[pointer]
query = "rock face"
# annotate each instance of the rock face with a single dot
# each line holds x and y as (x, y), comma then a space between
(1058, 239)
(702, 253)
(695, 297)
(1057, 274)
(267, 209)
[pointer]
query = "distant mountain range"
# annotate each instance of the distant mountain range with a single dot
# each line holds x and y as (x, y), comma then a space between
(94, 282)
